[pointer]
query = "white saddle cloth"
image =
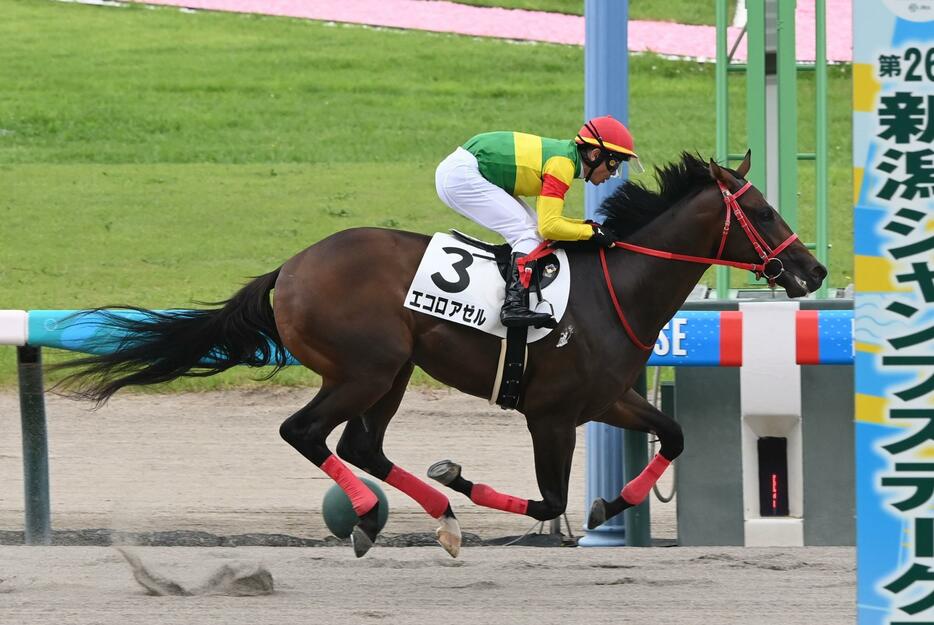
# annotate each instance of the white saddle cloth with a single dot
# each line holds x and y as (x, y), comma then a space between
(462, 284)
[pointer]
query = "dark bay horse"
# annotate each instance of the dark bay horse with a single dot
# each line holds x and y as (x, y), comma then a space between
(338, 308)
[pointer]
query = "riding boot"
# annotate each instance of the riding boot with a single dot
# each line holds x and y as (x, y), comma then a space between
(516, 311)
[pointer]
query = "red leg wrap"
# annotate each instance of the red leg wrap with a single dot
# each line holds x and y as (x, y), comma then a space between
(431, 499)
(638, 489)
(361, 498)
(483, 495)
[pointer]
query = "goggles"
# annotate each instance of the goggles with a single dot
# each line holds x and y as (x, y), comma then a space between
(614, 161)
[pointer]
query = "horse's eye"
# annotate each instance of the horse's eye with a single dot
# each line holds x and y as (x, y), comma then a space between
(767, 214)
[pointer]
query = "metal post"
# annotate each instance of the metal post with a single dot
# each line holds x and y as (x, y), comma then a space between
(606, 91)
(605, 478)
(636, 457)
(755, 93)
(820, 64)
(772, 107)
(35, 446)
(723, 120)
(786, 180)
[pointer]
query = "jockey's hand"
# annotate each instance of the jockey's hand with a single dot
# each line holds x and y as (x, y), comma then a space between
(603, 236)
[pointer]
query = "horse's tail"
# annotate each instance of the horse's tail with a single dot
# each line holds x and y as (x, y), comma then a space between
(156, 347)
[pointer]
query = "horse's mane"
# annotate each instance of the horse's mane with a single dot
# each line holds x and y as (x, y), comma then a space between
(632, 205)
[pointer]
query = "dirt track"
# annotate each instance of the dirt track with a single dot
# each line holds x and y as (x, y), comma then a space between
(414, 586)
(214, 462)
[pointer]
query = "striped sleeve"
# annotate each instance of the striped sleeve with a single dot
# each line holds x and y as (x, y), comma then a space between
(557, 176)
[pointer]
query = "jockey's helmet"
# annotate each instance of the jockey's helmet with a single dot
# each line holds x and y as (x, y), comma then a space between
(615, 143)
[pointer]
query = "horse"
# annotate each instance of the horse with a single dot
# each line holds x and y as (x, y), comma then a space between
(338, 308)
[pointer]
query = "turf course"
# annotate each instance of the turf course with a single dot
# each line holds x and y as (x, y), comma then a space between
(157, 157)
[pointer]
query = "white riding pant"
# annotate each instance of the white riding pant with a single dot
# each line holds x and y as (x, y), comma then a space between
(461, 186)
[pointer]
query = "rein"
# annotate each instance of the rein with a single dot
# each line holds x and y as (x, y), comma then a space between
(758, 243)
(766, 253)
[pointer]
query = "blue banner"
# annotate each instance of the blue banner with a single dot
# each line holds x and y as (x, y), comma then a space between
(893, 174)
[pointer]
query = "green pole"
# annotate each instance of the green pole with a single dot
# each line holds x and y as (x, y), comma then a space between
(787, 114)
(723, 120)
(820, 65)
(635, 459)
(755, 92)
(35, 446)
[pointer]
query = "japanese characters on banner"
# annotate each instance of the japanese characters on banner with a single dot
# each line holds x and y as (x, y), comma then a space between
(893, 172)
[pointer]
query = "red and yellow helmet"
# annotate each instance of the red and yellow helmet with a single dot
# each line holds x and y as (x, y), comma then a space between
(613, 139)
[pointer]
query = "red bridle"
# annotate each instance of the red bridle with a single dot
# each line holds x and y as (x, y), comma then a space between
(758, 243)
(766, 253)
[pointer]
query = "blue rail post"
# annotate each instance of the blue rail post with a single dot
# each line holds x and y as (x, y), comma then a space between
(35, 446)
(635, 458)
(606, 92)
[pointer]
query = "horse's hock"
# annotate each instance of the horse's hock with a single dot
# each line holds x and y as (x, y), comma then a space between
(770, 459)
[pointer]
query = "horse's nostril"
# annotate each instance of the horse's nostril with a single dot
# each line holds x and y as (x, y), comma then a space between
(819, 272)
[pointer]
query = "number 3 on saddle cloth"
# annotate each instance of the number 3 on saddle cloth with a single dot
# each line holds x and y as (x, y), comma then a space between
(462, 280)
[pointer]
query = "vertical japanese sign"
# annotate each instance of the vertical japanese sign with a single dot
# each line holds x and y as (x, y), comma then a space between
(893, 172)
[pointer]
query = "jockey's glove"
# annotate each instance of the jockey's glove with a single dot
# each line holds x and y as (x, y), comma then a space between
(603, 236)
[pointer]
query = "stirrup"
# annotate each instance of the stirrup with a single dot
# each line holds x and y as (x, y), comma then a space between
(528, 317)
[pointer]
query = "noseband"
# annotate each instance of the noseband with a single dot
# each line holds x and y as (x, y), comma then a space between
(767, 254)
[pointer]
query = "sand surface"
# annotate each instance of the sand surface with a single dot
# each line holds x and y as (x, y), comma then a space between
(213, 462)
(417, 585)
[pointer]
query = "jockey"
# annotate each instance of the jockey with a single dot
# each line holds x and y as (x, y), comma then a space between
(482, 180)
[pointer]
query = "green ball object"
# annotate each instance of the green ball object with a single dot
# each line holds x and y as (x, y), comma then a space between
(339, 514)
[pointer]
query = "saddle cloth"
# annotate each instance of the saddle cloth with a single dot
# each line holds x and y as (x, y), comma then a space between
(461, 283)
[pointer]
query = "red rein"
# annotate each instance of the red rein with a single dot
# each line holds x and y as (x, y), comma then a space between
(766, 253)
(762, 248)
(758, 243)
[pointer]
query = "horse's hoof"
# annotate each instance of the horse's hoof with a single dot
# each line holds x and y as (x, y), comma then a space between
(360, 541)
(444, 471)
(449, 535)
(597, 514)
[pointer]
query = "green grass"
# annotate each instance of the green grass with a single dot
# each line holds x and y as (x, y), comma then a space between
(681, 11)
(155, 157)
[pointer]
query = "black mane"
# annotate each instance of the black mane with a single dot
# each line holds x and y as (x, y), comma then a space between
(632, 205)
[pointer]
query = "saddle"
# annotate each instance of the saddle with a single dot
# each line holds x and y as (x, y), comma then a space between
(546, 269)
(507, 387)
(460, 279)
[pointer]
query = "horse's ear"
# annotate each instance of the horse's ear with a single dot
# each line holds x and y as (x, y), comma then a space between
(716, 172)
(743, 168)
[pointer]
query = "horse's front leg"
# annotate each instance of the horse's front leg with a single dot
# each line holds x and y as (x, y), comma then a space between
(553, 445)
(634, 412)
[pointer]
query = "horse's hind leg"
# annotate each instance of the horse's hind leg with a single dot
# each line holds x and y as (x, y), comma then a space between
(361, 444)
(307, 431)
(634, 412)
(553, 444)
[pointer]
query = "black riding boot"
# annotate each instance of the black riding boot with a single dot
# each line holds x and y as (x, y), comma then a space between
(516, 311)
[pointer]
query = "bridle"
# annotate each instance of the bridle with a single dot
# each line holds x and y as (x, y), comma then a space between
(762, 248)
(765, 252)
